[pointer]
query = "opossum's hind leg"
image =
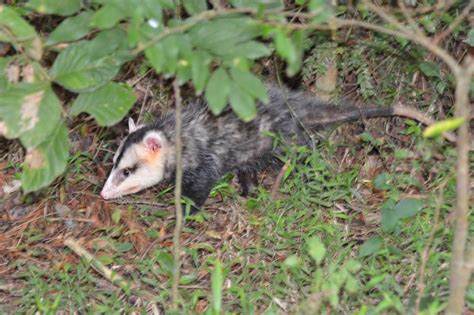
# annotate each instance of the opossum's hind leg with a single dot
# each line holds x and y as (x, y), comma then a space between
(248, 181)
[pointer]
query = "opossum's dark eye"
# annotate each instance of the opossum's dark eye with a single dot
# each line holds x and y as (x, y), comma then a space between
(126, 172)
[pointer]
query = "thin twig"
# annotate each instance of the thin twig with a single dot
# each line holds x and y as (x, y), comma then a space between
(177, 194)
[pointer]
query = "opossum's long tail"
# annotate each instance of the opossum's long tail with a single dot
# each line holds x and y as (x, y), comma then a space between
(325, 114)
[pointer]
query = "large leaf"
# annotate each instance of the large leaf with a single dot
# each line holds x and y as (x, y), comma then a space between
(251, 84)
(107, 16)
(60, 7)
(217, 91)
(108, 104)
(252, 50)
(156, 55)
(71, 29)
(195, 6)
(46, 161)
(200, 70)
(285, 47)
(17, 31)
(242, 103)
(220, 36)
(29, 111)
(153, 9)
(87, 65)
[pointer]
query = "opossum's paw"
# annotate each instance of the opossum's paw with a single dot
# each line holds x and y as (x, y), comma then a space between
(248, 182)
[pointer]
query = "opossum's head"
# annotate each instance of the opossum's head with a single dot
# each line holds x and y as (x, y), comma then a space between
(139, 162)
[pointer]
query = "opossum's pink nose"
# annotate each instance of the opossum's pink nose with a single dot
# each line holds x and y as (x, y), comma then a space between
(103, 195)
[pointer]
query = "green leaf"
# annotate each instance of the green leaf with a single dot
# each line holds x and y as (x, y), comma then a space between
(17, 26)
(108, 104)
(370, 246)
(46, 161)
(316, 249)
(200, 70)
(71, 29)
(389, 219)
(19, 33)
(171, 50)
(153, 9)
(195, 6)
(470, 38)
(257, 4)
(252, 50)
(156, 56)
(221, 35)
(298, 39)
(105, 259)
(381, 182)
(166, 262)
(408, 207)
(124, 247)
(242, 103)
(87, 65)
(251, 84)
(445, 125)
(217, 280)
(59, 7)
(30, 111)
(108, 16)
(430, 69)
(217, 91)
(285, 47)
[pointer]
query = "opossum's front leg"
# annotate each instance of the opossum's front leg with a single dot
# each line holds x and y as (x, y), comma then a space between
(198, 185)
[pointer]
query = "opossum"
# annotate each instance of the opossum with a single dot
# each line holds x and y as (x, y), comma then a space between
(216, 145)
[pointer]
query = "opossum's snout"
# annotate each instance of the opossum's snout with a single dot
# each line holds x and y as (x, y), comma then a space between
(140, 165)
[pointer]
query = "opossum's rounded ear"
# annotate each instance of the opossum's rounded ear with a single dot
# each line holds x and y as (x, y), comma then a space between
(131, 125)
(153, 142)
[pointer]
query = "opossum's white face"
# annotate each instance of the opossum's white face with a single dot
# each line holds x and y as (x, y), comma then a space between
(139, 166)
